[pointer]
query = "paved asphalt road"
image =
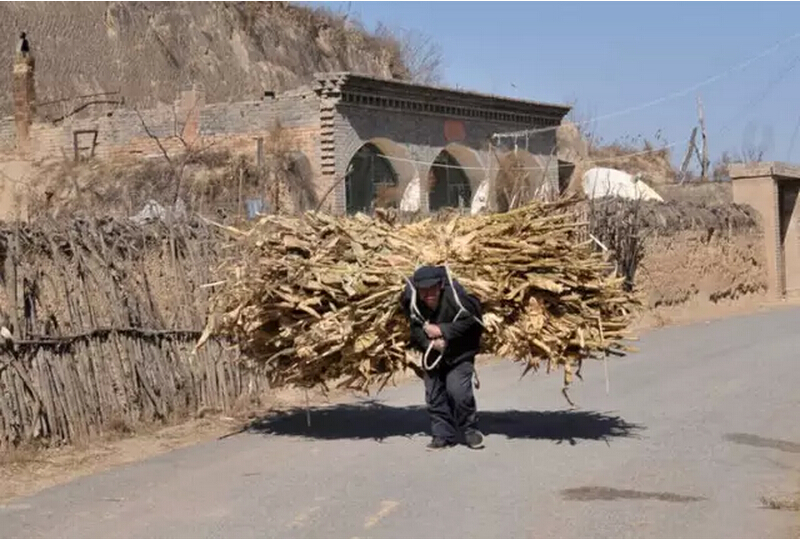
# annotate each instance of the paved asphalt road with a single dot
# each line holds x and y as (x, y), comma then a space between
(697, 427)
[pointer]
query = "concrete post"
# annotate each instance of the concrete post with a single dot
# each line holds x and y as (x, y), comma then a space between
(771, 188)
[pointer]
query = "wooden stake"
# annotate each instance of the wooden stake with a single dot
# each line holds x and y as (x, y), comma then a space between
(241, 180)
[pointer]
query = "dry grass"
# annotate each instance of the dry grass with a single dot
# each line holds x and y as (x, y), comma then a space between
(634, 156)
(517, 185)
(638, 156)
(700, 193)
(655, 166)
(111, 299)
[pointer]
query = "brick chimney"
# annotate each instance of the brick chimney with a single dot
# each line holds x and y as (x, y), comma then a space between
(24, 93)
(190, 105)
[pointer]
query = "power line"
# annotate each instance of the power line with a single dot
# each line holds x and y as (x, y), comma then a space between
(757, 99)
(537, 168)
(793, 139)
(668, 97)
(763, 95)
(748, 106)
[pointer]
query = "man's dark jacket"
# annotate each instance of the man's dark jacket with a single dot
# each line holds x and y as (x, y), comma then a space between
(462, 337)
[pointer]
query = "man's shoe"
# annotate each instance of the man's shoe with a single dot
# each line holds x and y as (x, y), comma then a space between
(474, 439)
(437, 443)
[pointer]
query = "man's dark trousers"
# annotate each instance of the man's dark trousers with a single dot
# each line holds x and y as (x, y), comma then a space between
(450, 401)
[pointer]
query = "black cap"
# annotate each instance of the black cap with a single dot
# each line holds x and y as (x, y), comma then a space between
(429, 276)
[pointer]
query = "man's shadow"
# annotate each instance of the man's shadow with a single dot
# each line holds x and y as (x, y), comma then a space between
(373, 420)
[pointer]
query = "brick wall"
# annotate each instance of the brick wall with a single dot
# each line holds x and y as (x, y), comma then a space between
(328, 134)
(422, 137)
(234, 127)
(121, 134)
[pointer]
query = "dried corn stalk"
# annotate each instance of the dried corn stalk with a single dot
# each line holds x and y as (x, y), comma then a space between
(316, 298)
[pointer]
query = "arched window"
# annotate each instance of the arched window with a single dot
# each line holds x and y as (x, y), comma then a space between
(370, 181)
(449, 184)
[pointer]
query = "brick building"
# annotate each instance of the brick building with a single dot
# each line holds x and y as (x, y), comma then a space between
(366, 141)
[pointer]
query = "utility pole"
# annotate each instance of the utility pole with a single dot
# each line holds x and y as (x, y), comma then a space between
(704, 159)
(692, 148)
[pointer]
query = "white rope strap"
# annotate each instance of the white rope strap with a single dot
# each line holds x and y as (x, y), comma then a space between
(417, 314)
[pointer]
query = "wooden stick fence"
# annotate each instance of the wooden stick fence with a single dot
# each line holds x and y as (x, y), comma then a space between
(104, 316)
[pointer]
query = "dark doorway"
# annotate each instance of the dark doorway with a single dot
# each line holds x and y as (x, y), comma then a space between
(789, 271)
(565, 171)
(449, 185)
(370, 181)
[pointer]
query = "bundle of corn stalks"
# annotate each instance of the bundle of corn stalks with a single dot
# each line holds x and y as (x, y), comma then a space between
(316, 298)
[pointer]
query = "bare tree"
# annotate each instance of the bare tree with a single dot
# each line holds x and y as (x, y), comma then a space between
(177, 161)
(285, 175)
(752, 154)
(748, 154)
(421, 55)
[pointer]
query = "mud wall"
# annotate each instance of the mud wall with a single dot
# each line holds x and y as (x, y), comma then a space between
(701, 252)
(683, 252)
(696, 265)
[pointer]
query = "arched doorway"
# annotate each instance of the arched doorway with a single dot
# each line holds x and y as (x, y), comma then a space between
(370, 181)
(521, 179)
(449, 185)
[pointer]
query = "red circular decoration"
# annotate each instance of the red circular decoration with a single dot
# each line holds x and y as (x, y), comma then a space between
(454, 131)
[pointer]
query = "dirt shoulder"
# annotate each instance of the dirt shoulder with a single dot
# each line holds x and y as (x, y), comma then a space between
(27, 471)
(704, 311)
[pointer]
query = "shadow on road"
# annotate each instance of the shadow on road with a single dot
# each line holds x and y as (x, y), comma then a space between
(373, 420)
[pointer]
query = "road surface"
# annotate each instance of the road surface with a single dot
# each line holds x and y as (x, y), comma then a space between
(697, 427)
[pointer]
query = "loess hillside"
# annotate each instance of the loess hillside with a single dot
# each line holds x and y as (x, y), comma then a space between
(150, 51)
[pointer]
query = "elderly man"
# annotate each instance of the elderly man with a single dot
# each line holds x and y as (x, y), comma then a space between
(446, 327)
